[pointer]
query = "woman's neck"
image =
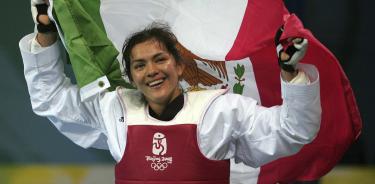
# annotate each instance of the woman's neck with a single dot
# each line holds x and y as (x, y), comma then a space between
(170, 110)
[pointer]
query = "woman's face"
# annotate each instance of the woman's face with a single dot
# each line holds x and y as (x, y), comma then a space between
(155, 73)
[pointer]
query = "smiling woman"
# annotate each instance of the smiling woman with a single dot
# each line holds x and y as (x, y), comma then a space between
(159, 134)
(155, 72)
(153, 65)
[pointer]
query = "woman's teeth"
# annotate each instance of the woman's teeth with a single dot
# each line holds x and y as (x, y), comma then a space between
(155, 83)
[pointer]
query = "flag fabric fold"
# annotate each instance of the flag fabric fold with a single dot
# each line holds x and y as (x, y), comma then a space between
(91, 52)
(341, 122)
(229, 45)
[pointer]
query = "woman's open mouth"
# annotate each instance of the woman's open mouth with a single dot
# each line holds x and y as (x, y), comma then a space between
(155, 83)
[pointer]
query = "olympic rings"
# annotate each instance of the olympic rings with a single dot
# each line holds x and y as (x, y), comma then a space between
(159, 166)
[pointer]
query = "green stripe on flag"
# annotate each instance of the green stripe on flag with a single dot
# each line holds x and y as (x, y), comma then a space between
(90, 51)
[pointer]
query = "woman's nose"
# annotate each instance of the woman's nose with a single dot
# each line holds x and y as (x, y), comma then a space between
(152, 70)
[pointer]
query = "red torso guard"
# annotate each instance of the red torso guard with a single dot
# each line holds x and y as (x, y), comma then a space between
(168, 153)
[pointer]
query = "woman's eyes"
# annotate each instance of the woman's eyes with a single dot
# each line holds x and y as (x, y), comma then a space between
(139, 66)
(162, 59)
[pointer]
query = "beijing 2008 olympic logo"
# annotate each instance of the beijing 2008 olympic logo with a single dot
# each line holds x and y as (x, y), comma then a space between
(159, 144)
(159, 148)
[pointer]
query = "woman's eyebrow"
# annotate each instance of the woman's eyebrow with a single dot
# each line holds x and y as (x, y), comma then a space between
(138, 61)
(158, 55)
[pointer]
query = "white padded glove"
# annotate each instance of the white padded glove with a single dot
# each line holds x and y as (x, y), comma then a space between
(39, 7)
(290, 51)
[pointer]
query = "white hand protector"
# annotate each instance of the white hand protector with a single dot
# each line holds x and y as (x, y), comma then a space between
(290, 52)
(40, 7)
(34, 10)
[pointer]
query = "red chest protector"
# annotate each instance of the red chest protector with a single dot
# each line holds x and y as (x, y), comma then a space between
(167, 153)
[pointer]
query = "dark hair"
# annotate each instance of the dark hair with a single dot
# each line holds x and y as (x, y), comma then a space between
(156, 31)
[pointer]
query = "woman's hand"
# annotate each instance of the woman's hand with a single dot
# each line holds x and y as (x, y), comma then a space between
(47, 32)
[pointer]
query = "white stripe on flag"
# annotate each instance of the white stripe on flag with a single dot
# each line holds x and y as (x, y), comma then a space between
(207, 29)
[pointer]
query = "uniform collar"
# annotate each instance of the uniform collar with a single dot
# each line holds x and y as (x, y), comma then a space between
(170, 110)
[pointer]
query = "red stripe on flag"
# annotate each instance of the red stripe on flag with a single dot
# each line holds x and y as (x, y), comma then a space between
(261, 20)
(341, 121)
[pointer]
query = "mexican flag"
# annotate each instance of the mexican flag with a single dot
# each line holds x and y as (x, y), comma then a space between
(226, 44)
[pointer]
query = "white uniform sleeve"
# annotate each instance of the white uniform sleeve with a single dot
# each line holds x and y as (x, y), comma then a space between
(236, 127)
(52, 95)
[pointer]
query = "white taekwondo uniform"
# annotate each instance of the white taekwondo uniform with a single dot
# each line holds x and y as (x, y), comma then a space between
(232, 126)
